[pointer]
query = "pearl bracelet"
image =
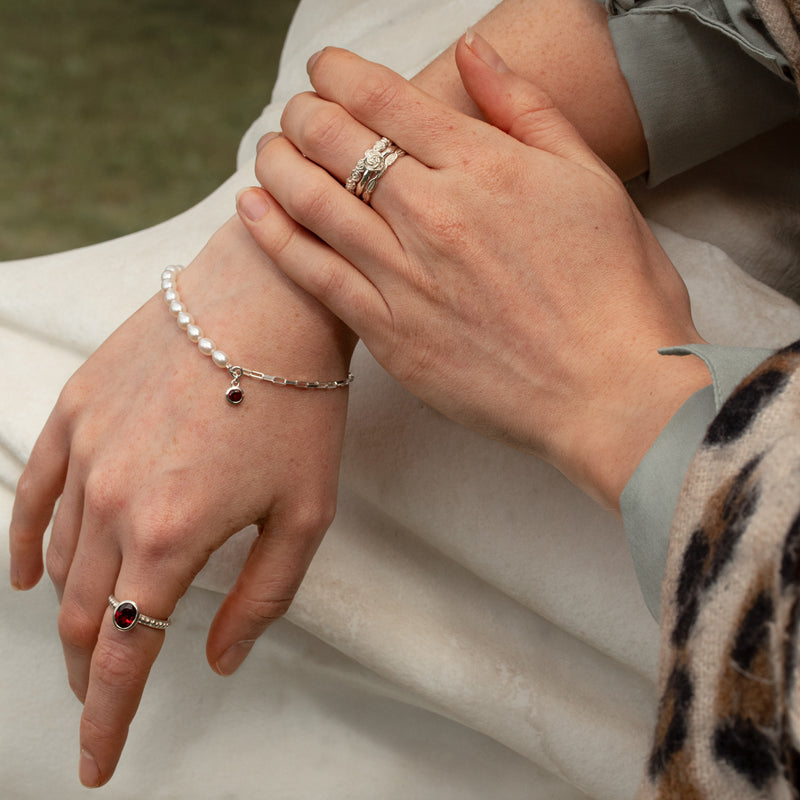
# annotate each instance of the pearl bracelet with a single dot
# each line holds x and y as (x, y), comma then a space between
(234, 395)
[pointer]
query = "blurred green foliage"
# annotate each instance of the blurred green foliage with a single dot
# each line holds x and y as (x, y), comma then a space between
(116, 115)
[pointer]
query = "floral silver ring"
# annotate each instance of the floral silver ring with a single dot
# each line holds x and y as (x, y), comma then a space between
(371, 166)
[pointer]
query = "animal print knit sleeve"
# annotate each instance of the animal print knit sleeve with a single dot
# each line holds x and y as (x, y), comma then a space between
(729, 715)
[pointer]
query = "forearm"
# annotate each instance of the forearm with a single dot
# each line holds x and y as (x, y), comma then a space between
(565, 47)
(257, 316)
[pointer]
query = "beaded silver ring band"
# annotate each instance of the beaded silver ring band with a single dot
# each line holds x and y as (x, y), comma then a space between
(234, 395)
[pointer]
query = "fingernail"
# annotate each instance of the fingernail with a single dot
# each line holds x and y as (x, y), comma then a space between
(484, 51)
(267, 137)
(88, 771)
(231, 659)
(252, 204)
(313, 60)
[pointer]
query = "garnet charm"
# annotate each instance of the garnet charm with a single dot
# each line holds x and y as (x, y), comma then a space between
(235, 395)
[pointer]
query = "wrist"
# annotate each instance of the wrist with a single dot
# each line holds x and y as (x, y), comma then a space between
(258, 316)
(565, 48)
(628, 420)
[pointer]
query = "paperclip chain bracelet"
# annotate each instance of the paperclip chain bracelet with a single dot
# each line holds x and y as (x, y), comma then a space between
(234, 395)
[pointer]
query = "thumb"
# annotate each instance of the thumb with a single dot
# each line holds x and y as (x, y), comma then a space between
(515, 105)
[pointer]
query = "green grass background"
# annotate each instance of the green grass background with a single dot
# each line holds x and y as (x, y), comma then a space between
(117, 114)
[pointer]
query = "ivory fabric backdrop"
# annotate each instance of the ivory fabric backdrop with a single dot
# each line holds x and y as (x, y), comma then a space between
(471, 626)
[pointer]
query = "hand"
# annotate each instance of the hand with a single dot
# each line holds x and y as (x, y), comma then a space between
(155, 471)
(507, 280)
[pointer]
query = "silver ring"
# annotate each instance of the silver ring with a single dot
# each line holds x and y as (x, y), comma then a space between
(371, 166)
(127, 615)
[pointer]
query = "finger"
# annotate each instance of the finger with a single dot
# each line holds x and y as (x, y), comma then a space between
(38, 489)
(139, 557)
(65, 532)
(277, 562)
(120, 666)
(387, 103)
(319, 203)
(309, 262)
(327, 134)
(91, 578)
(515, 105)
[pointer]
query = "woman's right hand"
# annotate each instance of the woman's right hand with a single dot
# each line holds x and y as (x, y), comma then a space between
(155, 471)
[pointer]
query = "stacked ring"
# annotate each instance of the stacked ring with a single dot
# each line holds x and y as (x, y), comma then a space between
(371, 167)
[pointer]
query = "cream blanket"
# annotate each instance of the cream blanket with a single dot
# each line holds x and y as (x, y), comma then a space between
(471, 626)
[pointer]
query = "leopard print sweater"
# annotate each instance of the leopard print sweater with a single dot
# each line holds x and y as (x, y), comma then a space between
(782, 19)
(729, 715)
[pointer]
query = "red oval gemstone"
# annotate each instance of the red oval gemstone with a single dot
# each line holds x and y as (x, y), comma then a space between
(234, 395)
(125, 615)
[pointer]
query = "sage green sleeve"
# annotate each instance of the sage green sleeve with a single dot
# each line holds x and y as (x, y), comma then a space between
(704, 74)
(648, 501)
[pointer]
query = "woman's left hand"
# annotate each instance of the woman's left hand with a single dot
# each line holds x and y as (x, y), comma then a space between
(507, 280)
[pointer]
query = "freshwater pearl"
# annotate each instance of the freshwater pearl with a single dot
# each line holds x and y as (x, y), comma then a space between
(206, 346)
(185, 319)
(194, 332)
(219, 358)
(175, 307)
(170, 296)
(167, 283)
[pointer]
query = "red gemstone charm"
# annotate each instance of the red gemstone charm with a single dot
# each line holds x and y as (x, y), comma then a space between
(234, 395)
(125, 616)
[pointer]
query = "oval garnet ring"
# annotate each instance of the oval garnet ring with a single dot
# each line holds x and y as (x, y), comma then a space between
(127, 615)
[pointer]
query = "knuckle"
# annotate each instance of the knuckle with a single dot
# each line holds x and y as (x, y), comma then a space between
(281, 242)
(27, 489)
(162, 537)
(328, 279)
(319, 516)
(71, 398)
(542, 118)
(96, 730)
(374, 94)
(265, 155)
(72, 401)
(311, 519)
(260, 612)
(113, 669)
(104, 497)
(83, 444)
(75, 629)
(57, 565)
(326, 124)
(293, 105)
(314, 207)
